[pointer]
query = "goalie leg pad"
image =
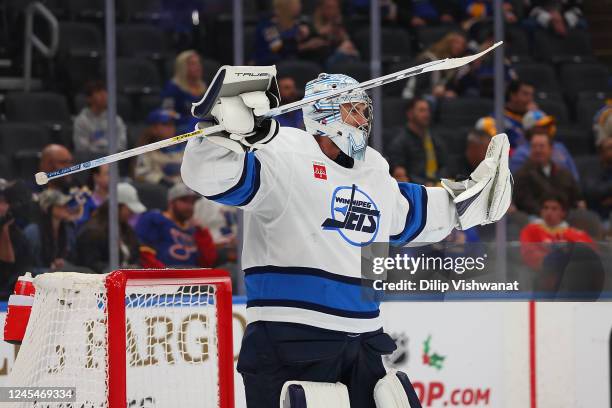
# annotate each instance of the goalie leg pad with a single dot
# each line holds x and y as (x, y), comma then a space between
(395, 391)
(308, 394)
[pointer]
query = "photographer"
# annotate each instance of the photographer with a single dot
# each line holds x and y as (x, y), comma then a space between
(14, 253)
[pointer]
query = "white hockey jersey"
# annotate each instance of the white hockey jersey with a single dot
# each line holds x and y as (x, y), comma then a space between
(305, 222)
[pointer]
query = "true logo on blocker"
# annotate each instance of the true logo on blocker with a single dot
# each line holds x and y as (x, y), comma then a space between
(354, 215)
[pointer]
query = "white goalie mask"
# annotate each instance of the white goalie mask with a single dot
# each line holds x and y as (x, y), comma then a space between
(345, 119)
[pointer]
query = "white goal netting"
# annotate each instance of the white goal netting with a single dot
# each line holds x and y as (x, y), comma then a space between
(171, 347)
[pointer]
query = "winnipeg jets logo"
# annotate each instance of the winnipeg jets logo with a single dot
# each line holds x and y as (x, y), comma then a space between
(354, 215)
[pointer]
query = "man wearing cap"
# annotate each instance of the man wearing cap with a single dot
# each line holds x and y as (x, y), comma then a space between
(536, 121)
(169, 238)
(92, 241)
(163, 165)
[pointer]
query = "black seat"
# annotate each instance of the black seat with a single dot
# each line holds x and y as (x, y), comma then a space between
(586, 110)
(453, 138)
(153, 196)
(395, 44)
(141, 40)
(574, 47)
(37, 107)
(141, 10)
(463, 111)
(6, 171)
(137, 76)
(86, 9)
(541, 75)
(578, 141)
(301, 71)
(16, 136)
(393, 112)
(588, 77)
(356, 69)
(556, 108)
(429, 35)
(80, 40)
(22, 143)
(587, 165)
(516, 44)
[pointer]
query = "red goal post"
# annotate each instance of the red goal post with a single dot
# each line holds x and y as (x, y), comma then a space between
(132, 336)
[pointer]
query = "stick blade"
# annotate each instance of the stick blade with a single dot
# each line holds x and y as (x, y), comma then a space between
(451, 63)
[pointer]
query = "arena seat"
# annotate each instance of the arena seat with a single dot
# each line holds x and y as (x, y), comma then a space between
(429, 35)
(80, 40)
(393, 112)
(556, 108)
(359, 70)
(153, 196)
(395, 44)
(141, 10)
(463, 111)
(137, 76)
(37, 107)
(575, 47)
(300, 70)
(541, 75)
(587, 77)
(141, 40)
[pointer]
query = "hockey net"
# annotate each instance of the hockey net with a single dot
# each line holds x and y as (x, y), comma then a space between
(136, 338)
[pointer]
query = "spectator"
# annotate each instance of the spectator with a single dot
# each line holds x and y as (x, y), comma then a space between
(328, 26)
(477, 79)
(14, 251)
(96, 192)
(289, 93)
(163, 165)
(475, 151)
(55, 157)
(538, 122)
(417, 150)
(399, 173)
(171, 239)
(538, 237)
(452, 45)
(52, 239)
(541, 176)
(92, 242)
(602, 123)
(185, 88)
(419, 13)
(90, 126)
(519, 100)
(557, 16)
(283, 36)
(598, 183)
(478, 11)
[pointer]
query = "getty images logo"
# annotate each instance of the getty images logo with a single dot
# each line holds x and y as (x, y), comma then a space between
(354, 215)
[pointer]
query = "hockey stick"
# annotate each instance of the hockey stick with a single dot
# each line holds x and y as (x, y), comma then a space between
(448, 63)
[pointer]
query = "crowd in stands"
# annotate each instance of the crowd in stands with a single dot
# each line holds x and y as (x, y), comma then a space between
(557, 114)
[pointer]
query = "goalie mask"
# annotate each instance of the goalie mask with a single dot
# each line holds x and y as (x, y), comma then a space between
(345, 119)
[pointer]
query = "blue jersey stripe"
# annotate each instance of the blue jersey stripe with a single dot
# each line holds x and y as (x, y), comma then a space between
(315, 307)
(417, 213)
(245, 189)
(316, 288)
(299, 270)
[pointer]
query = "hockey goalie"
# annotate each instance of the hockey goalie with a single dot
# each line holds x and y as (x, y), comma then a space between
(312, 199)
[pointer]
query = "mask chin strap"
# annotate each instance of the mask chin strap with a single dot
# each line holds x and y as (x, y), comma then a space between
(336, 130)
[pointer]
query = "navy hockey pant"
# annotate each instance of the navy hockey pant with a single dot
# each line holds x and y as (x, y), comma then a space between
(273, 353)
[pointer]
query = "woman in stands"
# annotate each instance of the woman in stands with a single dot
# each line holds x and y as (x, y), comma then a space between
(452, 45)
(185, 88)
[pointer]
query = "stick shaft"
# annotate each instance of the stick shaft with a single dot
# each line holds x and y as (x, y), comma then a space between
(132, 152)
(447, 63)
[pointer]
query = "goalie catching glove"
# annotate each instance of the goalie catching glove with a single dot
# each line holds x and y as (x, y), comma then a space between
(485, 197)
(236, 99)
